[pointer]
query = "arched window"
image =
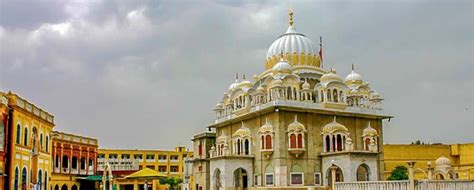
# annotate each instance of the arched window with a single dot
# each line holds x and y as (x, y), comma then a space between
(322, 96)
(328, 94)
(18, 134)
(339, 142)
(288, 93)
(46, 180)
(335, 99)
(25, 137)
(238, 146)
(24, 178)
(56, 187)
(262, 142)
(41, 141)
(362, 173)
(222, 150)
(74, 187)
(333, 143)
(65, 162)
(47, 143)
(292, 141)
(341, 96)
(74, 162)
(15, 183)
(268, 142)
(367, 143)
(83, 163)
(300, 141)
(328, 144)
(247, 147)
(57, 161)
(64, 187)
(40, 178)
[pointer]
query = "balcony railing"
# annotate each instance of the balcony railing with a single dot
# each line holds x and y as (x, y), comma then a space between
(57, 170)
(74, 171)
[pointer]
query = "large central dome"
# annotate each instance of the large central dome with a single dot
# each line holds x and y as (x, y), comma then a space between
(295, 47)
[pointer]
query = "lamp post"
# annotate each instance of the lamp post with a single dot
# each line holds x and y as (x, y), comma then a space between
(430, 171)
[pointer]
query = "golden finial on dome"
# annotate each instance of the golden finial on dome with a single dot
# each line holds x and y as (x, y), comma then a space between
(352, 66)
(290, 14)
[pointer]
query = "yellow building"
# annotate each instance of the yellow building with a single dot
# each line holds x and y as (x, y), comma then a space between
(30, 146)
(441, 161)
(74, 158)
(125, 162)
(3, 137)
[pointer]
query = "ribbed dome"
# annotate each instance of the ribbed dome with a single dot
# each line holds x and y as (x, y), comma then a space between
(330, 76)
(353, 77)
(260, 89)
(242, 132)
(296, 126)
(282, 67)
(334, 126)
(292, 42)
(233, 85)
(369, 131)
(443, 161)
(267, 127)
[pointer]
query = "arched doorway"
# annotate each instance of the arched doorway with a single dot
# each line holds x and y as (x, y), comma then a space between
(24, 176)
(74, 187)
(17, 174)
(363, 173)
(240, 178)
(439, 176)
(56, 187)
(64, 187)
(339, 175)
(217, 179)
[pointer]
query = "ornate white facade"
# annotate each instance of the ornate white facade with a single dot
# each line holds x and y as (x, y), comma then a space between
(295, 120)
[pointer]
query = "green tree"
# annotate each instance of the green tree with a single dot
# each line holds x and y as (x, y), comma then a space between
(171, 181)
(399, 173)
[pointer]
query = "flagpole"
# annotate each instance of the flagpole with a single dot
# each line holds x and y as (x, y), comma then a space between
(321, 51)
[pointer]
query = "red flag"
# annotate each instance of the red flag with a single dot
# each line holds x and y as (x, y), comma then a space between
(321, 51)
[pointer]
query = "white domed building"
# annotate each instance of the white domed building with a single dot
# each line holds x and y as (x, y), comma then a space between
(293, 122)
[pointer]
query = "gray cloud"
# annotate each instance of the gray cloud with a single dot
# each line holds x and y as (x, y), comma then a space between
(147, 75)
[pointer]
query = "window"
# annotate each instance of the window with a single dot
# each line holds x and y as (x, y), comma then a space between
(83, 163)
(15, 184)
(113, 156)
(300, 141)
(138, 156)
(292, 141)
(317, 178)
(269, 179)
(255, 181)
(268, 142)
(162, 168)
(150, 157)
(162, 157)
(200, 168)
(47, 144)
(41, 142)
(174, 157)
(74, 162)
(25, 138)
(125, 156)
(297, 178)
(151, 167)
(200, 149)
(174, 168)
(18, 134)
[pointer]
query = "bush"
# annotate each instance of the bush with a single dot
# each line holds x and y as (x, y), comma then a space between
(399, 173)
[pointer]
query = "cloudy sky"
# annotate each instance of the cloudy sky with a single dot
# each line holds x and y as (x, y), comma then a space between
(147, 74)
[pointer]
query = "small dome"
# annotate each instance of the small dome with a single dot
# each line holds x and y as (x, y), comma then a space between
(334, 127)
(369, 131)
(330, 76)
(353, 92)
(282, 67)
(296, 126)
(222, 139)
(443, 161)
(306, 85)
(276, 82)
(245, 83)
(375, 95)
(353, 77)
(260, 89)
(242, 132)
(267, 127)
(234, 85)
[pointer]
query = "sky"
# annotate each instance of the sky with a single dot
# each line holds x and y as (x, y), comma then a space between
(147, 74)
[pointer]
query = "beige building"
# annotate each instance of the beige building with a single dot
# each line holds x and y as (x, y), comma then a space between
(294, 121)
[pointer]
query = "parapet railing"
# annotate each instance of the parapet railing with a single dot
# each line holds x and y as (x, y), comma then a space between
(369, 185)
(444, 185)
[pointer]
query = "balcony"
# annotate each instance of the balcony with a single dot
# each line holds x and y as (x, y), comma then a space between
(74, 171)
(296, 151)
(267, 152)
